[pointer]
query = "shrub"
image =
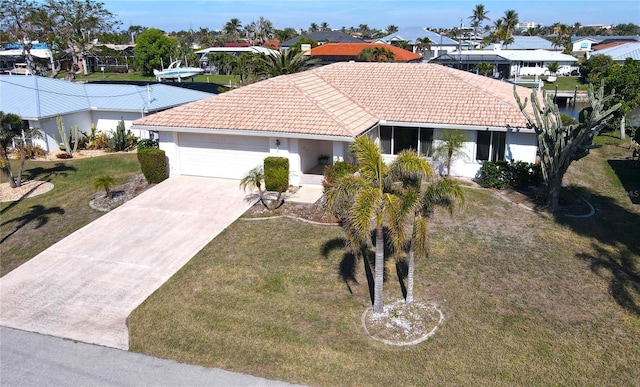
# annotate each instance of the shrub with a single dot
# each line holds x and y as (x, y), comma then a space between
(501, 174)
(492, 175)
(153, 163)
(31, 152)
(333, 172)
(147, 143)
(276, 173)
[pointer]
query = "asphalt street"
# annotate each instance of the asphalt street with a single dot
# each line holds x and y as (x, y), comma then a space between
(31, 359)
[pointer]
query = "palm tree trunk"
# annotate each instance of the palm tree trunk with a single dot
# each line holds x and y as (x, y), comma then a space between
(379, 275)
(7, 169)
(409, 299)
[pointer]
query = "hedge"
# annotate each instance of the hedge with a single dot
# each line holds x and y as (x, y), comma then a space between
(276, 173)
(153, 163)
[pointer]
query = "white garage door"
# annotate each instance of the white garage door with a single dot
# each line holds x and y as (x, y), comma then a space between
(218, 155)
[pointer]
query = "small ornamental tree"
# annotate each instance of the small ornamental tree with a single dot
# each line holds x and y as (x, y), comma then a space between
(560, 144)
(12, 128)
(104, 182)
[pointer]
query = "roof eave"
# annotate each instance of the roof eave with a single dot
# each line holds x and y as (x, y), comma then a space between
(240, 132)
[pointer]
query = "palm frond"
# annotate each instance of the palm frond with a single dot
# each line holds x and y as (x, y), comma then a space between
(442, 193)
(369, 159)
(367, 203)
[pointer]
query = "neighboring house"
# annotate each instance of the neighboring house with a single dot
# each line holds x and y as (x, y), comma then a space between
(345, 52)
(440, 44)
(12, 56)
(40, 100)
(584, 45)
(321, 111)
(322, 37)
(236, 51)
(525, 43)
(510, 64)
(619, 52)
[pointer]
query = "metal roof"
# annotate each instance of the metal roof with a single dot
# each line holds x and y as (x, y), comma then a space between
(411, 34)
(33, 97)
(621, 52)
(523, 55)
(526, 43)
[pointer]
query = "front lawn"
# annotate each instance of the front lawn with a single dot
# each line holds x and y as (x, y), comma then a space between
(29, 226)
(528, 299)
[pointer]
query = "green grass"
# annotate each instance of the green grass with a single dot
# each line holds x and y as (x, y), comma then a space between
(98, 76)
(31, 225)
(529, 299)
(567, 83)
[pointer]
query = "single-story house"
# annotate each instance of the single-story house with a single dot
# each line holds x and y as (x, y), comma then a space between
(40, 100)
(440, 44)
(12, 56)
(345, 52)
(583, 45)
(321, 111)
(510, 63)
(322, 37)
(619, 52)
(521, 42)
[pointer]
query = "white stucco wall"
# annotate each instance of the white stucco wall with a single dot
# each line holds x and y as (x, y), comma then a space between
(105, 122)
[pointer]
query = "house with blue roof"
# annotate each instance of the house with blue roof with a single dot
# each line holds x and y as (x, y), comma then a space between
(440, 44)
(521, 42)
(620, 53)
(39, 100)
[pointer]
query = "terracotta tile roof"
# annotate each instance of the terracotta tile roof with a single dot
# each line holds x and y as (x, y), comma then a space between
(353, 49)
(346, 99)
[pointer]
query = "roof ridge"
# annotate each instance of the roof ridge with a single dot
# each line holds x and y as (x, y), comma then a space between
(328, 112)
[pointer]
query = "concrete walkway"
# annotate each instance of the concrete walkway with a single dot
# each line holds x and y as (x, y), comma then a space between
(31, 359)
(85, 286)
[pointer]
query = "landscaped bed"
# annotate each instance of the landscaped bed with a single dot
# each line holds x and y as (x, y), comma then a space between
(528, 298)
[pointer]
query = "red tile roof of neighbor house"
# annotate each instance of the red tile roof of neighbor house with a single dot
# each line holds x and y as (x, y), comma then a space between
(346, 99)
(353, 49)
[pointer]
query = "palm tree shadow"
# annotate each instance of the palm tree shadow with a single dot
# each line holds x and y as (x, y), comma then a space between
(624, 281)
(347, 267)
(38, 214)
(45, 174)
(615, 227)
(402, 270)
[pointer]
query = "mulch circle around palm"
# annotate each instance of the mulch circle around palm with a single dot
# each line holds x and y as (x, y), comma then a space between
(401, 324)
(120, 193)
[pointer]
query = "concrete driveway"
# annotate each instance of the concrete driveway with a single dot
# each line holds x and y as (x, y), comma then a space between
(85, 286)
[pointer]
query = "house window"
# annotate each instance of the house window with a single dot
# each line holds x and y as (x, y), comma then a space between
(395, 139)
(490, 145)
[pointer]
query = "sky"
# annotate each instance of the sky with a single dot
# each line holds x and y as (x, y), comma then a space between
(176, 15)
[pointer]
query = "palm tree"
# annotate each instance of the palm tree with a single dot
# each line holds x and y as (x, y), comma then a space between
(254, 180)
(232, 29)
(450, 145)
(419, 203)
(510, 22)
(104, 182)
(423, 44)
(324, 26)
(364, 196)
(392, 29)
(12, 128)
(479, 15)
(313, 27)
(288, 62)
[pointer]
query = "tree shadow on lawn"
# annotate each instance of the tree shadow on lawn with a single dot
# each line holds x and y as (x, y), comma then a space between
(37, 213)
(42, 174)
(347, 268)
(628, 172)
(617, 228)
(45, 174)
